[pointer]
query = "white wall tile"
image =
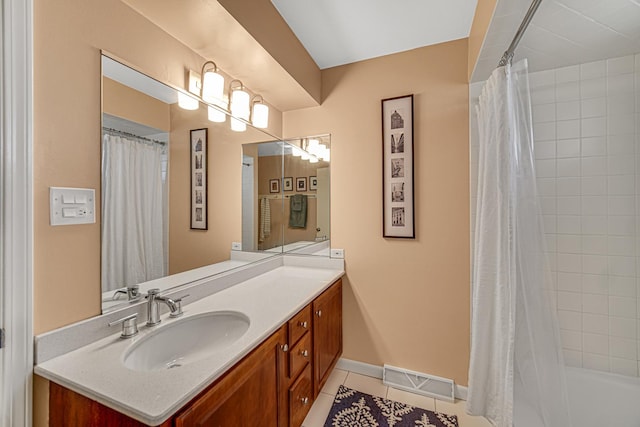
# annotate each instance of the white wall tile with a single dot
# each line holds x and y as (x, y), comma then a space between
(621, 65)
(595, 284)
(620, 85)
(549, 223)
(621, 104)
(595, 361)
(568, 148)
(547, 205)
(622, 307)
(545, 78)
(594, 224)
(623, 348)
(595, 264)
(593, 88)
(571, 340)
(545, 131)
(573, 358)
(569, 262)
(595, 323)
(572, 320)
(594, 126)
(544, 150)
(544, 113)
(594, 205)
(569, 129)
(621, 145)
(568, 110)
(570, 282)
(567, 91)
(551, 242)
(592, 166)
(621, 205)
(624, 366)
(547, 168)
(569, 74)
(569, 205)
(593, 185)
(592, 70)
(594, 245)
(568, 186)
(622, 245)
(595, 343)
(568, 167)
(570, 244)
(570, 301)
(621, 327)
(594, 146)
(621, 225)
(570, 224)
(621, 124)
(543, 94)
(594, 107)
(547, 186)
(622, 265)
(621, 185)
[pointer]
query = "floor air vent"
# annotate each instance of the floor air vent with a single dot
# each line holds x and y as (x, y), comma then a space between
(415, 382)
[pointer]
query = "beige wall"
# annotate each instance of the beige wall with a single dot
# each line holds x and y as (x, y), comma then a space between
(406, 302)
(479, 27)
(122, 101)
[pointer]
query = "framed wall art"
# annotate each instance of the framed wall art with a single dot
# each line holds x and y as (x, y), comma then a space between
(397, 167)
(199, 162)
(301, 184)
(287, 183)
(313, 183)
(274, 186)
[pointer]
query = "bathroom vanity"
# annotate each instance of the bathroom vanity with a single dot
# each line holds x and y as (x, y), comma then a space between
(269, 376)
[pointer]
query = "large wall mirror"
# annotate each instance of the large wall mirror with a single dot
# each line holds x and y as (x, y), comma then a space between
(146, 190)
(286, 194)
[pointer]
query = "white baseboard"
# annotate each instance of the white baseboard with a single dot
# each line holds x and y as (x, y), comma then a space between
(375, 371)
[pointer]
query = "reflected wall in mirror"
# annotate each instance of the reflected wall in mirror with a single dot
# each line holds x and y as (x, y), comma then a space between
(286, 195)
(146, 190)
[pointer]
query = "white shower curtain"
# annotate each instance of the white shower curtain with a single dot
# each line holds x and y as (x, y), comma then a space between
(515, 346)
(132, 212)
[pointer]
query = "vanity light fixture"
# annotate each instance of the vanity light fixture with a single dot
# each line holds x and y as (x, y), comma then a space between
(239, 106)
(187, 101)
(213, 91)
(259, 112)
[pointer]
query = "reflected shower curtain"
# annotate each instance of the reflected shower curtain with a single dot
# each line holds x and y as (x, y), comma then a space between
(132, 212)
(515, 346)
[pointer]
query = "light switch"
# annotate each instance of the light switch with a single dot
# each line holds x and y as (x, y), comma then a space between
(69, 206)
(69, 212)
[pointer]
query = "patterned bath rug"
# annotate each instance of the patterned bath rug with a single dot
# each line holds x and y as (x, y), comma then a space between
(352, 408)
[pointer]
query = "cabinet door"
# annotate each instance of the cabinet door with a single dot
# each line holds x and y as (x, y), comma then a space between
(327, 333)
(246, 396)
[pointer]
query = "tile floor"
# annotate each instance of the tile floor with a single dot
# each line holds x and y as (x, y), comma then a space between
(320, 409)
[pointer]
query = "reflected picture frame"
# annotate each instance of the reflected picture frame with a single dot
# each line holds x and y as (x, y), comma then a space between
(274, 186)
(301, 184)
(287, 183)
(398, 211)
(199, 171)
(313, 183)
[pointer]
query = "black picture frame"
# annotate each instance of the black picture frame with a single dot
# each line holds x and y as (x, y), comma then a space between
(199, 164)
(274, 186)
(287, 183)
(301, 184)
(398, 211)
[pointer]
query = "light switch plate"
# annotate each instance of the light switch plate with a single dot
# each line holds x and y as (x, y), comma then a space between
(69, 206)
(236, 246)
(337, 253)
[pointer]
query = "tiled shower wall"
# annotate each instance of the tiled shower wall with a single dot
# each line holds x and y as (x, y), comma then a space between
(587, 147)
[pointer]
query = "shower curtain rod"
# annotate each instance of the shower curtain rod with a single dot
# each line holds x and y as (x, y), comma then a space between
(508, 54)
(121, 132)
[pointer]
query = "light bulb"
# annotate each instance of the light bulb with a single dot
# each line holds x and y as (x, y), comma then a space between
(326, 156)
(216, 115)
(305, 155)
(296, 152)
(240, 104)
(187, 102)
(238, 125)
(313, 159)
(212, 87)
(260, 115)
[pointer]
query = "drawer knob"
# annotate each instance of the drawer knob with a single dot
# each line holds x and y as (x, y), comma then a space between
(285, 347)
(303, 324)
(304, 353)
(319, 313)
(304, 400)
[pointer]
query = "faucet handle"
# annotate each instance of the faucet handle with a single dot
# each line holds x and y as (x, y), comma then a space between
(178, 302)
(129, 325)
(153, 292)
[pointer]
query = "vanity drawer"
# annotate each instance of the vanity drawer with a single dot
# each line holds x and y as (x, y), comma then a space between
(299, 356)
(300, 398)
(299, 324)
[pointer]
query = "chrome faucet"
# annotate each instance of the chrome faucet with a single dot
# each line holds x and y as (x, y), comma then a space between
(153, 312)
(132, 292)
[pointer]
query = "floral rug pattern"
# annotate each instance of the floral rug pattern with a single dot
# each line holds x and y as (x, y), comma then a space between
(352, 408)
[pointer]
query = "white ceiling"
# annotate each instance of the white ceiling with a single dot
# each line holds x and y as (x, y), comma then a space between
(562, 33)
(337, 32)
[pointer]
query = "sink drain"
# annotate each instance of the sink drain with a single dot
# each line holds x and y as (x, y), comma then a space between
(173, 364)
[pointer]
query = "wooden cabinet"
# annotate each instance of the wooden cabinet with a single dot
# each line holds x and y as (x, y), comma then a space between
(273, 386)
(327, 334)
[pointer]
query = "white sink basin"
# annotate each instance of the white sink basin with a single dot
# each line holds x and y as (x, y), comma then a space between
(186, 340)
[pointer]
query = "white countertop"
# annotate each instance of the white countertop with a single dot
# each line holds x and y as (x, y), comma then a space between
(97, 371)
